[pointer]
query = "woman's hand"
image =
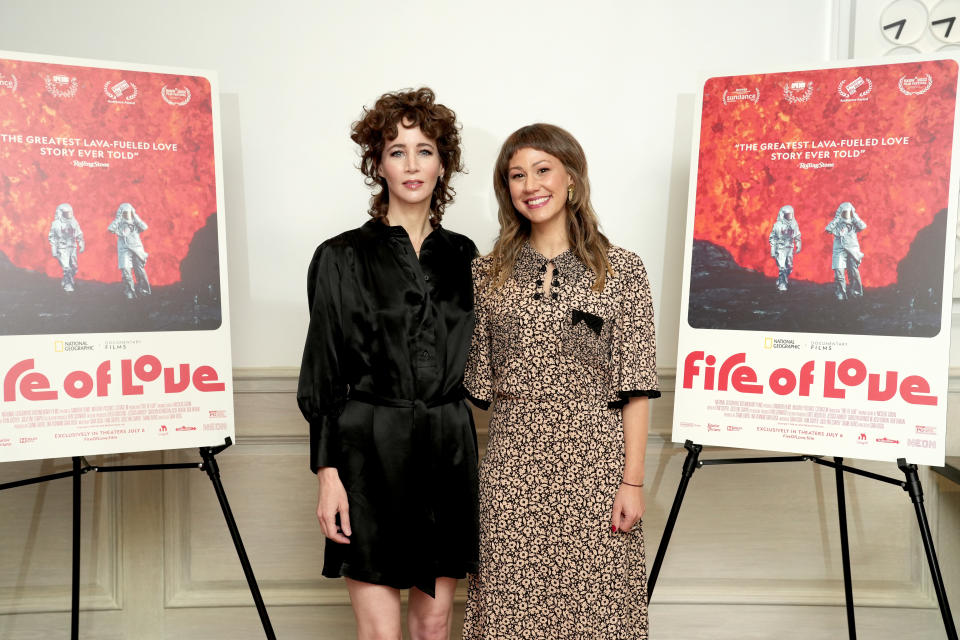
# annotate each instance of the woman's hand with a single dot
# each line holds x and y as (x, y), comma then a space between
(628, 508)
(333, 500)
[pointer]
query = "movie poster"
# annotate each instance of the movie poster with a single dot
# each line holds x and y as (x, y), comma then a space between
(114, 333)
(818, 262)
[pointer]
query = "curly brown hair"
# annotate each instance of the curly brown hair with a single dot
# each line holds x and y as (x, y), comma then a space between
(410, 108)
(587, 242)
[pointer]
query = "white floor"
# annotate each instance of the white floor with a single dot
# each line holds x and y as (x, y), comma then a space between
(680, 622)
(668, 622)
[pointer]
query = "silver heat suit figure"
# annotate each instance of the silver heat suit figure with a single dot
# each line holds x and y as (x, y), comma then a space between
(845, 226)
(131, 258)
(66, 240)
(784, 242)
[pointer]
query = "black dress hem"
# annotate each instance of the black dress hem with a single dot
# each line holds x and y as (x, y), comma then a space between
(374, 577)
(635, 393)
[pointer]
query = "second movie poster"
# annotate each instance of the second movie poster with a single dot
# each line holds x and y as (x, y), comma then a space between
(818, 265)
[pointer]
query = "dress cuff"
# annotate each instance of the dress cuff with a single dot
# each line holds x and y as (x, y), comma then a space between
(324, 443)
(480, 404)
(633, 393)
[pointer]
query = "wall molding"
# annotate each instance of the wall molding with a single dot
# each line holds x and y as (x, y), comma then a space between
(185, 590)
(101, 561)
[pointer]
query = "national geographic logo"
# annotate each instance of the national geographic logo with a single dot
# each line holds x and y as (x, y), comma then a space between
(60, 346)
(780, 343)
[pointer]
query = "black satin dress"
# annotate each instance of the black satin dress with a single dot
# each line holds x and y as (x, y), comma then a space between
(381, 385)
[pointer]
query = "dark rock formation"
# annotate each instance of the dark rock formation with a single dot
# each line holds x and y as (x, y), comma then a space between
(32, 303)
(724, 295)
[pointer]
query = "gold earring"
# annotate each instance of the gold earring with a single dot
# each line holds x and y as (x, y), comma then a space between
(570, 191)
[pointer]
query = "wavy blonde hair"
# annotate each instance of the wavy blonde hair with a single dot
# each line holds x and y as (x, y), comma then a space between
(583, 229)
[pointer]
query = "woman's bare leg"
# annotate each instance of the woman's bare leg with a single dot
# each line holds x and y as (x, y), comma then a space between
(377, 610)
(430, 618)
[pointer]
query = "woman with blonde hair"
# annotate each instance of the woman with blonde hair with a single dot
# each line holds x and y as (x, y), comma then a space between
(564, 355)
(392, 441)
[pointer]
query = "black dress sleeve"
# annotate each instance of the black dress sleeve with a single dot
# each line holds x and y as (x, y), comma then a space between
(322, 391)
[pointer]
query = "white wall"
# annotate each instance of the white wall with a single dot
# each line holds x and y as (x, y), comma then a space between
(294, 75)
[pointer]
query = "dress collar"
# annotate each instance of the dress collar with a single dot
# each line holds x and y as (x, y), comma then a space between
(531, 264)
(379, 226)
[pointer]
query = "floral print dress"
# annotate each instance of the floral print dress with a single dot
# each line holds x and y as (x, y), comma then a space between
(556, 369)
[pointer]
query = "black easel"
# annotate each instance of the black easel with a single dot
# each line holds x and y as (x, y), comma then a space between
(911, 485)
(209, 464)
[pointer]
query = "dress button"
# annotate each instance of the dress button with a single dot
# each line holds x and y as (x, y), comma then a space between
(539, 282)
(427, 278)
(556, 283)
(554, 295)
(543, 268)
(537, 296)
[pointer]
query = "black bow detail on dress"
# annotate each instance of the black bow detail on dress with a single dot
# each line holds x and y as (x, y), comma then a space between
(594, 322)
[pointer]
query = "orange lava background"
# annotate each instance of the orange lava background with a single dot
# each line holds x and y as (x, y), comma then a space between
(174, 192)
(896, 190)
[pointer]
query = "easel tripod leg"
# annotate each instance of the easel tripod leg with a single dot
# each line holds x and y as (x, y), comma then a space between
(213, 472)
(75, 572)
(913, 487)
(845, 549)
(689, 466)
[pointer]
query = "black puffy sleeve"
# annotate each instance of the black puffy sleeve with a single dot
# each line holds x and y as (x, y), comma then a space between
(321, 391)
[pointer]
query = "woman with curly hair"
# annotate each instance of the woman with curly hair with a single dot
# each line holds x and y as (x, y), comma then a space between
(564, 351)
(392, 441)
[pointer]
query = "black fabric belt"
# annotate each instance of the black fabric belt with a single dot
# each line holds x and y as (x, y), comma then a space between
(404, 403)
